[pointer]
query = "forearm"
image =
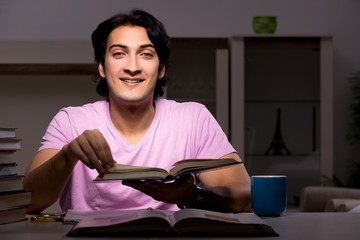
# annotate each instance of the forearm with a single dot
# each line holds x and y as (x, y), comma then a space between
(48, 180)
(232, 198)
(227, 189)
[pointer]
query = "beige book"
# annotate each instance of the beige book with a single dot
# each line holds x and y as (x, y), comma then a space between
(127, 172)
(185, 222)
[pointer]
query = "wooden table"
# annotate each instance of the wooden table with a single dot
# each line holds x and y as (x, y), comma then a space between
(292, 226)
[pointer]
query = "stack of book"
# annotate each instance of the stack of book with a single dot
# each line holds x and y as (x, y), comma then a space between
(13, 198)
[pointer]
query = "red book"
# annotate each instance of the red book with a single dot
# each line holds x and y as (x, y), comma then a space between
(10, 143)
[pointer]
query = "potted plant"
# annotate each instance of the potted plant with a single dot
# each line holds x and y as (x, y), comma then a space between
(353, 134)
(352, 137)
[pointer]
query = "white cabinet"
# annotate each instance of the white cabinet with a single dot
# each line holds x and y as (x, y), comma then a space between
(292, 77)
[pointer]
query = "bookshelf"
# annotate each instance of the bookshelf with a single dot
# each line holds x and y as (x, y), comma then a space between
(295, 74)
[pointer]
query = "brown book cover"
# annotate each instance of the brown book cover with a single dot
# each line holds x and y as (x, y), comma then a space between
(7, 156)
(12, 199)
(15, 214)
(11, 183)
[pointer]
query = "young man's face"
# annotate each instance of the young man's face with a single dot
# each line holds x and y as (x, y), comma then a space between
(131, 65)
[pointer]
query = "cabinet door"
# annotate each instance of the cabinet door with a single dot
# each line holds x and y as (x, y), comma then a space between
(199, 71)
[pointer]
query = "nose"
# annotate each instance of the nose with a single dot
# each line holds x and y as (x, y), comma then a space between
(132, 66)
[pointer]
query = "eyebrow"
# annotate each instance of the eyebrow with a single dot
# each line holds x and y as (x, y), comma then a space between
(126, 47)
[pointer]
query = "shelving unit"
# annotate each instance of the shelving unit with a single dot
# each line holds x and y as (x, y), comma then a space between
(293, 74)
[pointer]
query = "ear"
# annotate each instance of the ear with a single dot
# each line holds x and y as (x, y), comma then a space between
(101, 70)
(161, 72)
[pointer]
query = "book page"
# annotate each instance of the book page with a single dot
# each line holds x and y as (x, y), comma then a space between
(200, 222)
(194, 165)
(238, 218)
(128, 172)
(91, 220)
(74, 216)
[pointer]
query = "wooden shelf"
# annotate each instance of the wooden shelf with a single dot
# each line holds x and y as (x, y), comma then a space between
(48, 69)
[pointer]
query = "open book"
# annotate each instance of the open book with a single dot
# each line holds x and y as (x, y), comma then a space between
(128, 172)
(185, 222)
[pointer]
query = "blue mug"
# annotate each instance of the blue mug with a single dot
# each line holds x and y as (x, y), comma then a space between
(268, 195)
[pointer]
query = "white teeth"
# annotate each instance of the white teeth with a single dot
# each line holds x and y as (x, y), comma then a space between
(131, 81)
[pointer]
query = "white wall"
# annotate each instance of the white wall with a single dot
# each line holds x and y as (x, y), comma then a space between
(30, 102)
(28, 21)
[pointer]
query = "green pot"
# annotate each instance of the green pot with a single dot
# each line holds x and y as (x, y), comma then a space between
(264, 24)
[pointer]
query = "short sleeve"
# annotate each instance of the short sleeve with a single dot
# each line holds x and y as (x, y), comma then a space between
(211, 140)
(58, 133)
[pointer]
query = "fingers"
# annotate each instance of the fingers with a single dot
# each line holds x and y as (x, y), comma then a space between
(92, 149)
(155, 189)
(101, 148)
(187, 179)
(176, 192)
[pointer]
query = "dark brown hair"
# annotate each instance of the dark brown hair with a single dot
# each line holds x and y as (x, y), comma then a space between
(155, 31)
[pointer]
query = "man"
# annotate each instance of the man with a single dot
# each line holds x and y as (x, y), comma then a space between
(133, 127)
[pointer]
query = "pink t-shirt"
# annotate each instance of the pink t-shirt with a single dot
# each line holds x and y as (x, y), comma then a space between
(178, 131)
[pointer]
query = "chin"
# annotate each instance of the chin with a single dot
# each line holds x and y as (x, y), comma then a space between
(132, 99)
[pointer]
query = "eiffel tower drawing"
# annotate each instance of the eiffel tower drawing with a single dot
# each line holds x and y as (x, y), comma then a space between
(277, 146)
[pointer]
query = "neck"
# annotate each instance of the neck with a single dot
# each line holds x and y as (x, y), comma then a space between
(132, 120)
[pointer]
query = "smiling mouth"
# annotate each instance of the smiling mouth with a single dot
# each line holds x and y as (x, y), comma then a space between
(132, 80)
